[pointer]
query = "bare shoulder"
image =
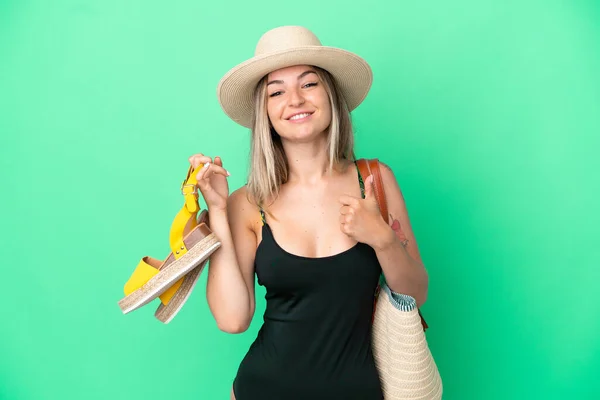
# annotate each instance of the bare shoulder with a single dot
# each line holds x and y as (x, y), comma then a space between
(239, 198)
(393, 192)
(388, 176)
(241, 209)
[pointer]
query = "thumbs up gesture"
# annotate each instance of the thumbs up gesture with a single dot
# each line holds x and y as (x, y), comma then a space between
(361, 218)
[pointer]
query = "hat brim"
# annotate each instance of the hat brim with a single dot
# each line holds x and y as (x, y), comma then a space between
(235, 91)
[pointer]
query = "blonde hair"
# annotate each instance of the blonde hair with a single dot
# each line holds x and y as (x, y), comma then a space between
(269, 168)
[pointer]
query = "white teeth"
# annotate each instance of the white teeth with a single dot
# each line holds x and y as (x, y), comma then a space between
(298, 116)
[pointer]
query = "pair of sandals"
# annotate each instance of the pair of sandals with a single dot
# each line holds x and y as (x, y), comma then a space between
(173, 280)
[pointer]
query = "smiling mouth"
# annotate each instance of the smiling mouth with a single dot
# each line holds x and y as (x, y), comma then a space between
(299, 116)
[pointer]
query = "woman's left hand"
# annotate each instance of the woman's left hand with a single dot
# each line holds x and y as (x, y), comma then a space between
(361, 219)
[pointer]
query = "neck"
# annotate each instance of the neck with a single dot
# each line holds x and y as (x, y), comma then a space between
(308, 162)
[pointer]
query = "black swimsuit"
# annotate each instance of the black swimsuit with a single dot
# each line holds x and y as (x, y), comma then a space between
(315, 342)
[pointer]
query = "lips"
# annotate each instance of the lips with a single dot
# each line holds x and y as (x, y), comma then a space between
(299, 116)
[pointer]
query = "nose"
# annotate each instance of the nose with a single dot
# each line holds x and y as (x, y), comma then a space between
(296, 98)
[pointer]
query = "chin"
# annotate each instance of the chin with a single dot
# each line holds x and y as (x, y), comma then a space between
(302, 135)
(305, 132)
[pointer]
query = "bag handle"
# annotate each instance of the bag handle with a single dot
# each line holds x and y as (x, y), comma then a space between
(371, 167)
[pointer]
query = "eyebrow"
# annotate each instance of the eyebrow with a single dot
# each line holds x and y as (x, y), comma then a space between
(302, 75)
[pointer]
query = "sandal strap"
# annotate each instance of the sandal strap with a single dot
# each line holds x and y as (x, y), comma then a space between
(144, 271)
(185, 220)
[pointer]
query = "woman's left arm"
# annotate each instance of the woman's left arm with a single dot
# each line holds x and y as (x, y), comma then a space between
(398, 253)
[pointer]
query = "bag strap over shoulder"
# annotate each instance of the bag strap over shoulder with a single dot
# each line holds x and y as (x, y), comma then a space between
(371, 167)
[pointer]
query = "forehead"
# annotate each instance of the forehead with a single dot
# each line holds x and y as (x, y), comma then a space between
(289, 72)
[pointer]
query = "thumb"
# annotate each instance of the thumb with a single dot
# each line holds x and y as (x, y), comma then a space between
(369, 188)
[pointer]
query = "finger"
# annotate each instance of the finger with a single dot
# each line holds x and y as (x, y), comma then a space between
(216, 169)
(345, 228)
(198, 159)
(195, 155)
(203, 173)
(347, 210)
(219, 162)
(210, 169)
(345, 219)
(349, 201)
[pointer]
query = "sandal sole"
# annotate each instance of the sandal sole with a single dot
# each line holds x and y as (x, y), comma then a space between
(171, 273)
(165, 313)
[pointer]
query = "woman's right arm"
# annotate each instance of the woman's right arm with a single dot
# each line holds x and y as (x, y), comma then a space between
(230, 286)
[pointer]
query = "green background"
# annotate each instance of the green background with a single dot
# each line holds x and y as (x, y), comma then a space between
(488, 112)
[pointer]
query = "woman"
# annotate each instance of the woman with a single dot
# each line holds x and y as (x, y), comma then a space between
(303, 225)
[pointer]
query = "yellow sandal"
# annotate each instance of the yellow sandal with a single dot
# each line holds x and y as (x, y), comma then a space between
(192, 243)
(167, 310)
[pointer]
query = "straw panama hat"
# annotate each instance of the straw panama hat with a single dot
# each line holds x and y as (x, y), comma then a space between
(287, 46)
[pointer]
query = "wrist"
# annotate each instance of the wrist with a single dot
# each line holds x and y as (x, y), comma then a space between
(217, 213)
(385, 239)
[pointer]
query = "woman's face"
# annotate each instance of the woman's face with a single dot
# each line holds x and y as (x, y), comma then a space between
(297, 103)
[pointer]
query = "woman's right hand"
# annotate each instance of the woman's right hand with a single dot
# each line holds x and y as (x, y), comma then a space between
(212, 181)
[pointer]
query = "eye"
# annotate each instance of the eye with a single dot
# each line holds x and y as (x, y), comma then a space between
(275, 94)
(310, 84)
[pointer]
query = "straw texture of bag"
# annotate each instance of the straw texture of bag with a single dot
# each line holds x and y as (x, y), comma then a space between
(406, 367)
